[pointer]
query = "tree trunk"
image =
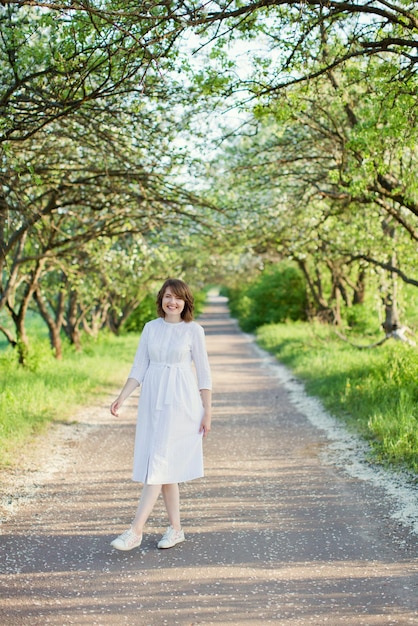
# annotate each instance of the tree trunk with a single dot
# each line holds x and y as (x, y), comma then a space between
(324, 312)
(392, 321)
(98, 318)
(71, 324)
(10, 338)
(19, 317)
(115, 319)
(392, 318)
(22, 340)
(390, 298)
(360, 288)
(54, 323)
(337, 308)
(3, 221)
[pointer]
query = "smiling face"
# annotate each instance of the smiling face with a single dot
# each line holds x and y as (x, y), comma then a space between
(172, 306)
(175, 298)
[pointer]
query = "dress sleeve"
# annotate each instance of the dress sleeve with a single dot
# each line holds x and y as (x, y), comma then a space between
(141, 360)
(200, 358)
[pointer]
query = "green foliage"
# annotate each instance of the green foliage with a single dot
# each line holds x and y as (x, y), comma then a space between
(200, 298)
(328, 179)
(278, 294)
(361, 319)
(410, 306)
(145, 312)
(373, 391)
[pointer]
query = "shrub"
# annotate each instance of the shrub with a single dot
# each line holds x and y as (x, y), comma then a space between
(145, 312)
(278, 294)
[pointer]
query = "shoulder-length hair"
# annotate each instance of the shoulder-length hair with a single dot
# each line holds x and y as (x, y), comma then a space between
(180, 290)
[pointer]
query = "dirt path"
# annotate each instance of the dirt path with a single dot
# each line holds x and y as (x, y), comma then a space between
(274, 534)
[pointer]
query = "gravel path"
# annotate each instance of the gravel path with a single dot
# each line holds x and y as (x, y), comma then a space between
(290, 525)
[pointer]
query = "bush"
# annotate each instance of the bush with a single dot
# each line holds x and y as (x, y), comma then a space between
(277, 295)
(362, 319)
(145, 312)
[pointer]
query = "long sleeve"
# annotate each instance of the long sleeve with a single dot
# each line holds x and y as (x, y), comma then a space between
(141, 360)
(200, 358)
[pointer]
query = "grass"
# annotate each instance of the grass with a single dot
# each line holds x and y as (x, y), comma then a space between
(374, 391)
(51, 390)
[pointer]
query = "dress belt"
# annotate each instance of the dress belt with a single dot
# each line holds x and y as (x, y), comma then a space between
(167, 386)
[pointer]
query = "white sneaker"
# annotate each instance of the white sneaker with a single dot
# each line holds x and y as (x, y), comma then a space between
(127, 540)
(171, 538)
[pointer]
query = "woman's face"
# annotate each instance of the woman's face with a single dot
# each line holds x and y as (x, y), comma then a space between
(172, 306)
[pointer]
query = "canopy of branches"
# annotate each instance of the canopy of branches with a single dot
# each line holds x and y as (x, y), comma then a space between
(206, 140)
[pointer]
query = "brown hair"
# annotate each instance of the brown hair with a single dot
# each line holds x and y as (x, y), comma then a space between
(180, 290)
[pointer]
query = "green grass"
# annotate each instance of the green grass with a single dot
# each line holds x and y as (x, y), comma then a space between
(51, 390)
(375, 391)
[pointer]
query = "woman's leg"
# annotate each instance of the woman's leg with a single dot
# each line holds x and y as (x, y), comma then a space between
(147, 500)
(171, 495)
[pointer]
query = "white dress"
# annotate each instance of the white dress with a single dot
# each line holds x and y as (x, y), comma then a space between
(168, 445)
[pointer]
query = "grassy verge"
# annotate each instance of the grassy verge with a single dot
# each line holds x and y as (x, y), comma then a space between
(51, 390)
(374, 391)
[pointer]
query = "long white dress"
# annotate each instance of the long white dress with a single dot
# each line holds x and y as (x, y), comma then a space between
(168, 445)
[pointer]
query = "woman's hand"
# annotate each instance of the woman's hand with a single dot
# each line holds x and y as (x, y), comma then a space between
(129, 387)
(115, 406)
(206, 396)
(205, 424)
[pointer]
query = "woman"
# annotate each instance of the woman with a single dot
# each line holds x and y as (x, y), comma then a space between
(172, 415)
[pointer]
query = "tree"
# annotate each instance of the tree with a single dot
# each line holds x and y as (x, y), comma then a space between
(338, 86)
(67, 189)
(59, 58)
(293, 30)
(308, 185)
